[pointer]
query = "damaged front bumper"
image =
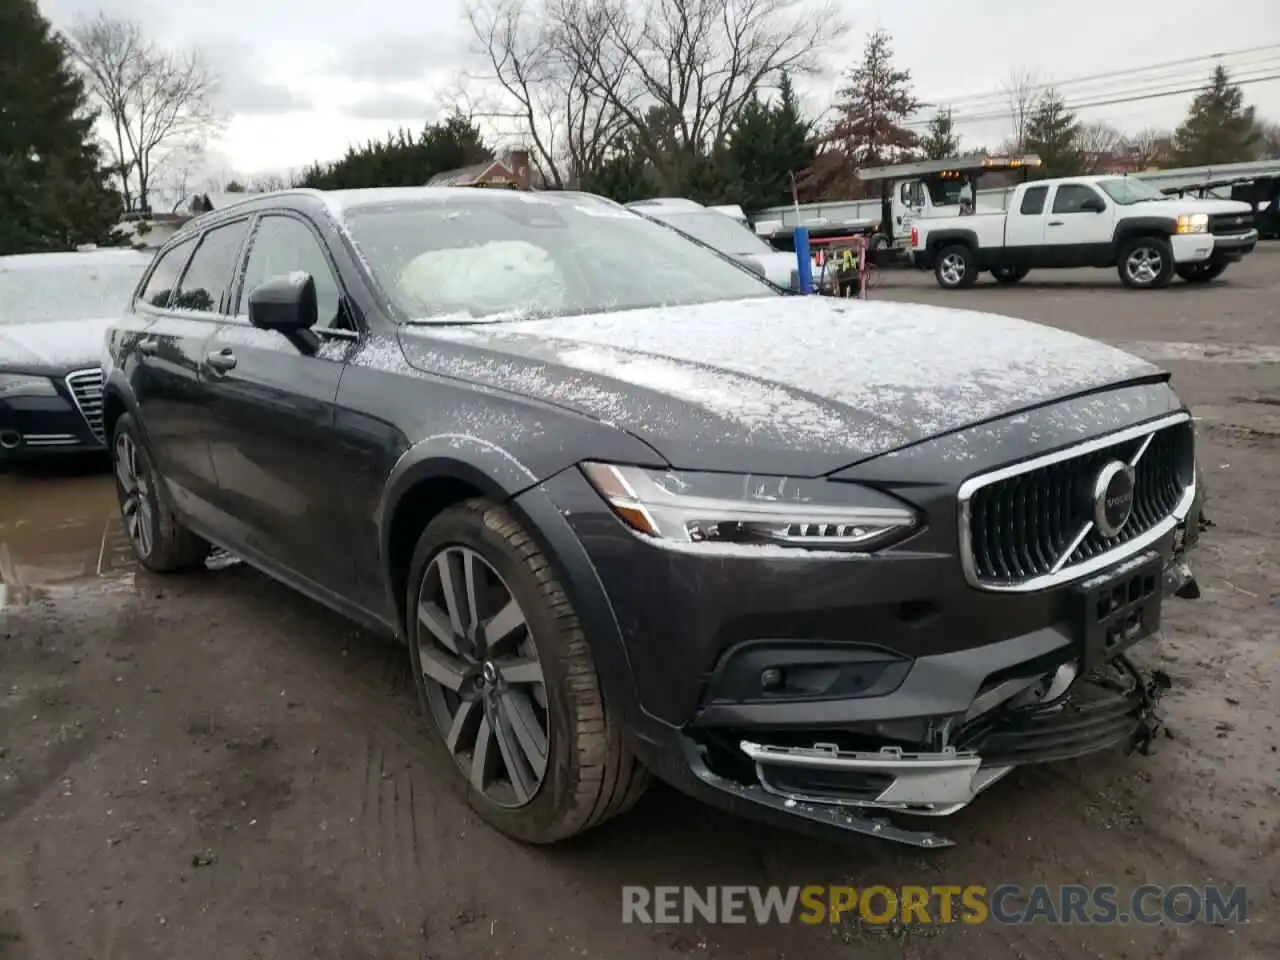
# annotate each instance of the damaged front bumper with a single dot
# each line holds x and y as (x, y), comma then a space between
(1076, 709)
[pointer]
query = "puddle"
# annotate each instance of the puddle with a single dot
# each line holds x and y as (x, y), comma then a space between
(63, 535)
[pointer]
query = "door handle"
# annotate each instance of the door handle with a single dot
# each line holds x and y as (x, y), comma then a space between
(223, 360)
(1055, 223)
(149, 347)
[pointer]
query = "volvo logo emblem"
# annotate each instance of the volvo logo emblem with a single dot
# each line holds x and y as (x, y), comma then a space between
(1113, 498)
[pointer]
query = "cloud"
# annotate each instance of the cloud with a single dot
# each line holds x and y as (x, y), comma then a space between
(241, 90)
(389, 106)
(399, 58)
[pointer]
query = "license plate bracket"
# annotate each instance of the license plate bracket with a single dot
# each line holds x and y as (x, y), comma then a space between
(1118, 608)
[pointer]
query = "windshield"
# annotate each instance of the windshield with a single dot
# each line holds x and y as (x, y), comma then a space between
(716, 230)
(1125, 191)
(58, 289)
(491, 257)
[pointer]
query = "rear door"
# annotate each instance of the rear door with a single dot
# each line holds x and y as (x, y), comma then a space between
(272, 410)
(166, 349)
(1075, 237)
(1024, 227)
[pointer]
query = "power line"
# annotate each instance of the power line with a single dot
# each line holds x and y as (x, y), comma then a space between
(1152, 74)
(1127, 72)
(1077, 107)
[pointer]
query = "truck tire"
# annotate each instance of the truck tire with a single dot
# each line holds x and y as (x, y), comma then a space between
(524, 703)
(1145, 263)
(1201, 272)
(956, 267)
(1007, 273)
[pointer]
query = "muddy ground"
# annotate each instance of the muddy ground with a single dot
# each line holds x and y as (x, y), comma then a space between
(211, 766)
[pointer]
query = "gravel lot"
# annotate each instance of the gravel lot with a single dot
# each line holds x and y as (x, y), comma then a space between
(212, 766)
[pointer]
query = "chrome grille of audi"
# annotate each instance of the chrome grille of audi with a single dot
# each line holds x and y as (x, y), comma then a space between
(1040, 523)
(86, 389)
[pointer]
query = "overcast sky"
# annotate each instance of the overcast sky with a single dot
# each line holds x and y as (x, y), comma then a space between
(304, 78)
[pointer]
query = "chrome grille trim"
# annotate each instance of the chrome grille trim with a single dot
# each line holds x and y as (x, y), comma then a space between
(86, 390)
(49, 439)
(1067, 572)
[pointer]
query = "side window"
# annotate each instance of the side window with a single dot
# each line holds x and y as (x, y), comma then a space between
(1033, 200)
(912, 194)
(165, 275)
(1071, 196)
(284, 244)
(204, 286)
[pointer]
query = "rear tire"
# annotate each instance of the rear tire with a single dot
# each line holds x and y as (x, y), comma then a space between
(1145, 263)
(1201, 272)
(1007, 273)
(956, 268)
(160, 542)
(554, 761)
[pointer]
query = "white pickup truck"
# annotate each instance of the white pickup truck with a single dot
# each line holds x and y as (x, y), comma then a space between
(1106, 221)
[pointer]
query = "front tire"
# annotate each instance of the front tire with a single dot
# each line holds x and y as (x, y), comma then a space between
(160, 542)
(503, 669)
(956, 268)
(1201, 272)
(1146, 263)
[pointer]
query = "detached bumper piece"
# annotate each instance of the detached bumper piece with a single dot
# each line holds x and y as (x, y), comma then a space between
(1113, 707)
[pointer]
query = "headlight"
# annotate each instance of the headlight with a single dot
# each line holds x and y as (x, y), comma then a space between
(719, 508)
(1193, 223)
(21, 385)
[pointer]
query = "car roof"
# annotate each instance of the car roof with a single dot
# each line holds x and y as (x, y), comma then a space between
(340, 202)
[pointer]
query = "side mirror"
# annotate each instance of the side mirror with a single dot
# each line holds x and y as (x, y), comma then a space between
(1093, 204)
(285, 303)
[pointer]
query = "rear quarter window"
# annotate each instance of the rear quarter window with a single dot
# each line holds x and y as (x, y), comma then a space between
(164, 275)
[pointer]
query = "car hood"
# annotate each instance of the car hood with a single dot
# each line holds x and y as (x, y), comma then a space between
(1175, 206)
(57, 345)
(787, 384)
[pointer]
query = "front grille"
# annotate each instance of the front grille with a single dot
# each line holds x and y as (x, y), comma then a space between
(1221, 224)
(1020, 527)
(86, 389)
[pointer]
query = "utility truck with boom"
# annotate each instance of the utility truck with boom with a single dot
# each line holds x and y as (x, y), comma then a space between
(1099, 221)
(925, 189)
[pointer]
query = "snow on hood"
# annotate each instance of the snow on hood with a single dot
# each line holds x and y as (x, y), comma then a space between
(65, 344)
(848, 379)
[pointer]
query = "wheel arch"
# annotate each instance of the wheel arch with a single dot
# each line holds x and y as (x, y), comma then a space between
(430, 477)
(117, 400)
(1136, 227)
(937, 239)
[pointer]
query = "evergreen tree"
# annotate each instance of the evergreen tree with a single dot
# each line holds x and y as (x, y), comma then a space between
(940, 140)
(769, 144)
(402, 160)
(52, 186)
(1219, 128)
(622, 176)
(1053, 132)
(870, 128)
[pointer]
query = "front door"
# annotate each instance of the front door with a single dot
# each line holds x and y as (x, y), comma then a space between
(167, 345)
(271, 416)
(1077, 235)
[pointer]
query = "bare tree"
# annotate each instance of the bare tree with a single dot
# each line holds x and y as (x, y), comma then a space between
(154, 101)
(1022, 94)
(576, 74)
(1147, 147)
(268, 183)
(1098, 145)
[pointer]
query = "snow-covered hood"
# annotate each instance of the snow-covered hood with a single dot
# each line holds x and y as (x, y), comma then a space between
(799, 384)
(59, 346)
